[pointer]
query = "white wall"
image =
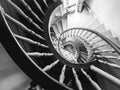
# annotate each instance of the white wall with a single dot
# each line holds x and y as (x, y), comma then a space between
(109, 13)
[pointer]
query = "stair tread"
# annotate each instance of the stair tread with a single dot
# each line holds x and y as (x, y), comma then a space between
(116, 41)
(89, 20)
(94, 24)
(105, 47)
(101, 28)
(105, 50)
(113, 60)
(116, 61)
(109, 54)
(107, 34)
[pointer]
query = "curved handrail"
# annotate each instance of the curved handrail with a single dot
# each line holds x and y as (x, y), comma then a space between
(22, 60)
(111, 43)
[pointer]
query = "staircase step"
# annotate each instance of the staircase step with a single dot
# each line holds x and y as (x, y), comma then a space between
(113, 59)
(91, 38)
(94, 24)
(97, 40)
(101, 28)
(116, 41)
(109, 54)
(116, 61)
(100, 44)
(103, 51)
(105, 47)
(77, 32)
(107, 34)
(88, 21)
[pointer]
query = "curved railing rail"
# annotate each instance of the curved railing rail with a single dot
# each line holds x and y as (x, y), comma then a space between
(27, 65)
(40, 74)
(112, 44)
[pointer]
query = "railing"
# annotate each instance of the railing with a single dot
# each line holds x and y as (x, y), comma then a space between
(57, 72)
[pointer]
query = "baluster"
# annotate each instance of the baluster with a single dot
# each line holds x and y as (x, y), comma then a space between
(90, 79)
(78, 83)
(37, 54)
(105, 51)
(97, 42)
(81, 32)
(93, 38)
(94, 48)
(85, 34)
(39, 7)
(106, 75)
(62, 75)
(23, 27)
(69, 83)
(110, 57)
(46, 3)
(23, 14)
(88, 35)
(28, 40)
(48, 67)
(110, 64)
(82, 59)
(75, 33)
(29, 8)
(72, 33)
(69, 34)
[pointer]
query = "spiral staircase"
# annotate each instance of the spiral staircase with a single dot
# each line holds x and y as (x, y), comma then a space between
(61, 44)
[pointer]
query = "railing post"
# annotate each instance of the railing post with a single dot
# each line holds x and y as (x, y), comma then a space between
(106, 75)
